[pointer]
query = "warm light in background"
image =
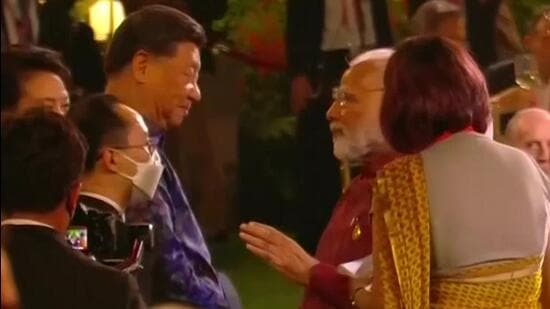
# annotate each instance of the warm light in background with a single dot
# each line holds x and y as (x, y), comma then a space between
(105, 17)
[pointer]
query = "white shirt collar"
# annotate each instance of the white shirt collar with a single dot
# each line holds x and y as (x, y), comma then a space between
(106, 200)
(25, 222)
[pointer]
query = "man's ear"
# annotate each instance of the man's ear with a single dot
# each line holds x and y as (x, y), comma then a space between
(109, 161)
(114, 162)
(140, 65)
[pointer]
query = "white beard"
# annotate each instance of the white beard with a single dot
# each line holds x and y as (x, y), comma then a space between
(348, 149)
(353, 145)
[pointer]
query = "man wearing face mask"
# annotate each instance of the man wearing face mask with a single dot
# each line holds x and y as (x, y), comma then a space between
(42, 157)
(121, 169)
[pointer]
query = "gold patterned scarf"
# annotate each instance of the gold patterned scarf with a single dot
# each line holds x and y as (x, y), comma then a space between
(401, 246)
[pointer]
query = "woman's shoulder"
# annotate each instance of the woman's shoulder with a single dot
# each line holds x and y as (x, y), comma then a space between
(409, 161)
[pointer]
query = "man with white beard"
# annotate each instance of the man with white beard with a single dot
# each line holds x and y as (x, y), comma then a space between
(356, 134)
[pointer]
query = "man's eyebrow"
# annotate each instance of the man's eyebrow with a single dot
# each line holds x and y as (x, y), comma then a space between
(63, 97)
(374, 89)
(342, 94)
(49, 99)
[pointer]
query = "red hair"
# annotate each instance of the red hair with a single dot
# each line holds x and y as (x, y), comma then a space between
(432, 86)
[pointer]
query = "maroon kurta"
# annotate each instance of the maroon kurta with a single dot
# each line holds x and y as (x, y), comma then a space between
(347, 237)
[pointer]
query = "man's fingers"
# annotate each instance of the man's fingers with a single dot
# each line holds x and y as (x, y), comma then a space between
(271, 257)
(258, 228)
(266, 232)
(253, 240)
(260, 243)
(273, 232)
(286, 269)
(261, 253)
(255, 229)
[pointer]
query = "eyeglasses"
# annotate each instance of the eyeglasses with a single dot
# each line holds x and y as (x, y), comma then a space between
(148, 146)
(343, 98)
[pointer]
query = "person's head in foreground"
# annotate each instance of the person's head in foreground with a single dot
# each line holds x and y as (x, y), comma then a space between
(432, 86)
(34, 77)
(440, 17)
(42, 156)
(354, 113)
(153, 64)
(121, 162)
(529, 130)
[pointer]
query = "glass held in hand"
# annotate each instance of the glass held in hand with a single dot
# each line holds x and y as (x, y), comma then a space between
(527, 72)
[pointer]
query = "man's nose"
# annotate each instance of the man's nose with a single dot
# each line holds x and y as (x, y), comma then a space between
(335, 111)
(195, 92)
(57, 108)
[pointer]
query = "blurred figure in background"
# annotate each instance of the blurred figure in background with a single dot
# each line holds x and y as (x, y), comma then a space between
(492, 32)
(84, 58)
(522, 81)
(534, 75)
(55, 24)
(20, 23)
(75, 41)
(537, 43)
(529, 130)
(34, 77)
(440, 17)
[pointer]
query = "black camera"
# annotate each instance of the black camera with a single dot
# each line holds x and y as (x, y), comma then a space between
(106, 238)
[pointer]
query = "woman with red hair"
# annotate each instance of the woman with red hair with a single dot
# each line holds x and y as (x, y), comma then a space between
(460, 221)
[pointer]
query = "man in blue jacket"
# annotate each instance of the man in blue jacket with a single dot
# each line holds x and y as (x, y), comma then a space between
(153, 66)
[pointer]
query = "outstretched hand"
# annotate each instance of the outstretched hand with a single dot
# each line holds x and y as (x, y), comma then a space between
(278, 250)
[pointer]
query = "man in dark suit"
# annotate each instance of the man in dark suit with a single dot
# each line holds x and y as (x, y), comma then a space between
(322, 36)
(119, 146)
(42, 158)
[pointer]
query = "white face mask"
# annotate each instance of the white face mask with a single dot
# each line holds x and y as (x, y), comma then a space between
(147, 176)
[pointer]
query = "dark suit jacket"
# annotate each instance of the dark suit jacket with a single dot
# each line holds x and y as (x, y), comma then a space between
(49, 274)
(107, 234)
(500, 76)
(304, 32)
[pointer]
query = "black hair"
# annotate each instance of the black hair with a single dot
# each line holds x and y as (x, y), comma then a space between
(19, 62)
(156, 29)
(100, 123)
(42, 156)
